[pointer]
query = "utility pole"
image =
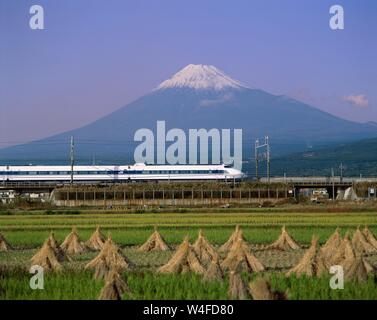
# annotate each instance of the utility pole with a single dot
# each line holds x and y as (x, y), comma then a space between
(256, 158)
(333, 184)
(341, 172)
(267, 143)
(72, 157)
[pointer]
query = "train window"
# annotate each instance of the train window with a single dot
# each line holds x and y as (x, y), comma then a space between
(112, 172)
(134, 172)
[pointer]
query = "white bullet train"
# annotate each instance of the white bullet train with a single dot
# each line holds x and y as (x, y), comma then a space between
(111, 173)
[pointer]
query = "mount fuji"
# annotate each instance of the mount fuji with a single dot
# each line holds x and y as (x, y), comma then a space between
(198, 96)
(201, 77)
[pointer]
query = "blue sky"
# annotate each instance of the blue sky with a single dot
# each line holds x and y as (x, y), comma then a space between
(96, 56)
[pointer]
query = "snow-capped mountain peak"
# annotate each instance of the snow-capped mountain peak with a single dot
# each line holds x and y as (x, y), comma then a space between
(201, 77)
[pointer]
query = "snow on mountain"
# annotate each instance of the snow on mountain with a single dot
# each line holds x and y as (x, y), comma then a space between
(201, 77)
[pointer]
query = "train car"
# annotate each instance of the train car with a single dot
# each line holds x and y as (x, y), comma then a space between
(137, 172)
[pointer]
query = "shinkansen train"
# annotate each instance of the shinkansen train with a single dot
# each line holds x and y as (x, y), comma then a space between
(137, 172)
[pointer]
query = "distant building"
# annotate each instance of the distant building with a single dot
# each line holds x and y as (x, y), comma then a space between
(7, 196)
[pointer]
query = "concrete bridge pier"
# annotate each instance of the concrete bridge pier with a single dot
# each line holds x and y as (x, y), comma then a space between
(297, 192)
(332, 192)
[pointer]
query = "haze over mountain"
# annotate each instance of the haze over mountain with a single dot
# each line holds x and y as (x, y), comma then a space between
(198, 96)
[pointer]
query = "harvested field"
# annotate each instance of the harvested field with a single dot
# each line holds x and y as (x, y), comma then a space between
(27, 233)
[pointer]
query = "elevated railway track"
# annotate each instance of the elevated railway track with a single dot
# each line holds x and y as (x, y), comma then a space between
(300, 182)
(184, 193)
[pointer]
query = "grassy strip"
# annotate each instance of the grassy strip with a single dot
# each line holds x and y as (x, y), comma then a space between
(146, 286)
(174, 235)
(186, 219)
(133, 229)
(369, 206)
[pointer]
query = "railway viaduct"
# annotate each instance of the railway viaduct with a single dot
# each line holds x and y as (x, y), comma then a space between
(274, 188)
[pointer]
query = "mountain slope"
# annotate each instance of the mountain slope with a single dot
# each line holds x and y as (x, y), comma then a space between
(199, 97)
(356, 158)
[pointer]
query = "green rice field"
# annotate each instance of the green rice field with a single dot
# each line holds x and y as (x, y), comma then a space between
(26, 233)
(29, 231)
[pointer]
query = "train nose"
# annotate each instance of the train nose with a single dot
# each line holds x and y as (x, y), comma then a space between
(237, 174)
